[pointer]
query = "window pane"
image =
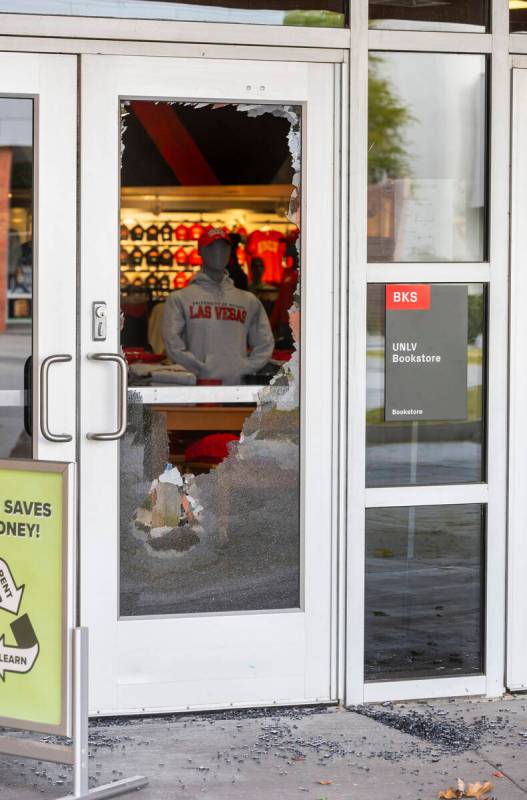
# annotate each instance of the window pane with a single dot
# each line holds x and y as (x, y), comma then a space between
(424, 591)
(16, 274)
(426, 157)
(315, 13)
(429, 452)
(470, 16)
(209, 269)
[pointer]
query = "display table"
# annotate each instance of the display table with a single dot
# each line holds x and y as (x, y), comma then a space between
(204, 418)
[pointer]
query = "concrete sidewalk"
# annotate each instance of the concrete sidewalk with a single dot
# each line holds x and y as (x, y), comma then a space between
(406, 751)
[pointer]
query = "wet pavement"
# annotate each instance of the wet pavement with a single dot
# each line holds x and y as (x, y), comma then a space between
(404, 751)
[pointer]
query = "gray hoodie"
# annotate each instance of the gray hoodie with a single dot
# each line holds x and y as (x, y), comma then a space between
(207, 327)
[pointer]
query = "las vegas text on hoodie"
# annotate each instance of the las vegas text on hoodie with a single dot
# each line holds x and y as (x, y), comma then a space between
(208, 325)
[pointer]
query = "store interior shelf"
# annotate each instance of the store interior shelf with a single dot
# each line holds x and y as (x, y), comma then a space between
(158, 243)
(179, 268)
(182, 395)
(192, 199)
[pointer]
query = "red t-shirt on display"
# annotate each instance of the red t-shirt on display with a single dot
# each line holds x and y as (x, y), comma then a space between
(181, 280)
(195, 231)
(194, 258)
(284, 301)
(270, 247)
(181, 233)
(181, 257)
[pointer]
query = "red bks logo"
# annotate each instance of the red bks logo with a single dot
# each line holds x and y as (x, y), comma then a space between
(407, 297)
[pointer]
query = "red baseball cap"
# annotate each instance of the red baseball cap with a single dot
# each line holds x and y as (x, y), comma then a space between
(212, 235)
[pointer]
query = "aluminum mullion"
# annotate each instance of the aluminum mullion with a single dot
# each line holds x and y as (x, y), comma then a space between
(442, 495)
(171, 31)
(429, 272)
(430, 41)
(342, 339)
(356, 457)
(239, 52)
(498, 357)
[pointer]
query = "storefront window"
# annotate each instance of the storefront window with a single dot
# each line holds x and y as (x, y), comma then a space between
(424, 591)
(444, 442)
(469, 16)
(314, 13)
(426, 157)
(16, 275)
(209, 270)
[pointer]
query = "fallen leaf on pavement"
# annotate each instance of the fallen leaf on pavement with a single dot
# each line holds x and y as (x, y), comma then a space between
(325, 783)
(450, 794)
(498, 774)
(478, 790)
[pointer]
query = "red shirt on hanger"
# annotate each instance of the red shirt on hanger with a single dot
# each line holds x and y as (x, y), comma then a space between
(270, 247)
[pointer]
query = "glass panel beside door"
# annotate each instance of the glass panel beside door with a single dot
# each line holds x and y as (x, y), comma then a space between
(16, 275)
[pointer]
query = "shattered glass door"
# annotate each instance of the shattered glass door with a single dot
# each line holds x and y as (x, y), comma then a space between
(210, 329)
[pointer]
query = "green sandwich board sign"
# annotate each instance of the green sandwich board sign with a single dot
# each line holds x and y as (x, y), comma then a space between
(35, 595)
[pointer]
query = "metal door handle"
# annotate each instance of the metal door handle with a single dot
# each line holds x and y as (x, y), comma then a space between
(44, 405)
(122, 408)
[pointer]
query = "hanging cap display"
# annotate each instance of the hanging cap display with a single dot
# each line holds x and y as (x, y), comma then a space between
(213, 235)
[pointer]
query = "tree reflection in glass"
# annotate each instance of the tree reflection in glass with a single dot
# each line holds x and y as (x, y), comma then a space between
(426, 157)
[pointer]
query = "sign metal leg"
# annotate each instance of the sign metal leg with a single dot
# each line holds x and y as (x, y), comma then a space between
(81, 790)
(80, 711)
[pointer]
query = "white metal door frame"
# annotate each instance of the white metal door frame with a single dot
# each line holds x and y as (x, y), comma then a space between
(105, 80)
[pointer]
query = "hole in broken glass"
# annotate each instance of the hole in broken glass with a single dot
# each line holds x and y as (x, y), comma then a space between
(229, 538)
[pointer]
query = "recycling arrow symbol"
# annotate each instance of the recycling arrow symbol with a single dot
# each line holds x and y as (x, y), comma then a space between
(10, 593)
(21, 658)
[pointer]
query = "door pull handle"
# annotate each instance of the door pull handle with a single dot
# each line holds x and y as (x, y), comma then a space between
(122, 407)
(44, 399)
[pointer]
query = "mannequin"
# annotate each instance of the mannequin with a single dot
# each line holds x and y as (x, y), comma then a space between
(209, 326)
(215, 258)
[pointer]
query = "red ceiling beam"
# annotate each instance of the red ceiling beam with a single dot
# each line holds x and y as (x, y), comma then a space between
(174, 142)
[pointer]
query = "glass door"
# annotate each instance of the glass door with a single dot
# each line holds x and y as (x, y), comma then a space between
(37, 256)
(206, 386)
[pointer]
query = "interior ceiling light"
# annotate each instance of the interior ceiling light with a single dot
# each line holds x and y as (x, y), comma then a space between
(517, 5)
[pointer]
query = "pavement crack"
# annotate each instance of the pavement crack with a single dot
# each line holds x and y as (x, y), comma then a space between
(501, 769)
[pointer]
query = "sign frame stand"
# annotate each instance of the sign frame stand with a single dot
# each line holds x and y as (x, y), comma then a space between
(75, 754)
(74, 708)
